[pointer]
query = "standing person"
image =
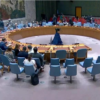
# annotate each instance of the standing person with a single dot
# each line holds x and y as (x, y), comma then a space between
(1, 25)
(3, 44)
(57, 39)
(54, 20)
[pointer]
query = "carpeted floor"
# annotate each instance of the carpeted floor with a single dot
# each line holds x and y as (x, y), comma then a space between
(82, 87)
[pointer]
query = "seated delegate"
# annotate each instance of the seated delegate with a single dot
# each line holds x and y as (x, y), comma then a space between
(3, 44)
(9, 54)
(23, 53)
(37, 55)
(30, 49)
(17, 48)
(30, 61)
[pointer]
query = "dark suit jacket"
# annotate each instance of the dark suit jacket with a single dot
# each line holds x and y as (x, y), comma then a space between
(23, 54)
(37, 55)
(16, 52)
(3, 45)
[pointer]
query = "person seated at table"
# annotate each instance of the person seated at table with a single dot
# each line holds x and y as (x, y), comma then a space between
(23, 53)
(30, 49)
(17, 48)
(15, 26)
(9, 54)
(37, 55)
(57, 39)
(30, 61)
(3, 44)
(70, 22)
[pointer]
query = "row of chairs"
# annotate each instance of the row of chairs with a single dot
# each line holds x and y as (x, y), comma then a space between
(72, 68)
(28, 69)
(5, 62)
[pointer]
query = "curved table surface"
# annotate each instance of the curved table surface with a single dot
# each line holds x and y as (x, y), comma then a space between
(15, 35)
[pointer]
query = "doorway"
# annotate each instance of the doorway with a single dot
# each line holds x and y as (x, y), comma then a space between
(78, 12)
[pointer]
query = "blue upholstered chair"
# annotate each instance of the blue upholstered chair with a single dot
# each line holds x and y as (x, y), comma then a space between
(20, 61)
(81, 53)
(0, 59)
(1, 51)
(86, 63)
(55, 71)
(37, 60)
(61, 54)
(29, 70)
(94, 70)
(5, 61)
(71, 71)
(15, 69)
(54, 61)
(68, 62)
(96, 61)
(1, 68)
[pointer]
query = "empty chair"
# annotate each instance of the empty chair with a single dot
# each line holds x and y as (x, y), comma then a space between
(29, 70)
(15, 69)
(1, 68)
(1, 51)
(54, 61)
(20, 61)
(37, 60)
(61, 54)
(71, 71)
(81, 53)
(55, 71)
(96, 61)
(68, 62)
(94, 70)
(86, 63)
(5, 61)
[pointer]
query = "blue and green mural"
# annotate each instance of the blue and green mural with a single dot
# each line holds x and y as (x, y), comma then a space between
(12, 9)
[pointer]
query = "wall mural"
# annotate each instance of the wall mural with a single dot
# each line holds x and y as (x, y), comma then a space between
(12, 9)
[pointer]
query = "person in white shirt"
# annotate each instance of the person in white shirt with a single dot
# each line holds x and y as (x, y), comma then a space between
(29, 61)
(30, 49)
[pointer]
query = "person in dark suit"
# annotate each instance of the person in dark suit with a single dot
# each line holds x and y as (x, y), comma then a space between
(70, 22)
(54, 20)
(23, 53)
(1, 25)
(37, 55)
(3, 44)
(57, 39)
(17, 47)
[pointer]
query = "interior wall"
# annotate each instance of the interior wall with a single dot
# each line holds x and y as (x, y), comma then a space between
(88, 7)
(45, 7)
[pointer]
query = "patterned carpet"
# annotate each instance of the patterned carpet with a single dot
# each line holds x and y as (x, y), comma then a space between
(68, 39)
(82, 87)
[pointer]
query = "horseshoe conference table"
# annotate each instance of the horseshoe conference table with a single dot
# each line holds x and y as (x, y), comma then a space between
(15, 35)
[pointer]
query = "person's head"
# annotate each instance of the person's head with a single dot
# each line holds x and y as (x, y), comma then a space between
(17, 46)
(4, 39)
(29, 47)
(54, 15)
(29, 57)
(9, 49)
(35, 49)
(24, 48)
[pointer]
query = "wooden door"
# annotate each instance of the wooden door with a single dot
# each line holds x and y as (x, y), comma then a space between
(78, 12)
